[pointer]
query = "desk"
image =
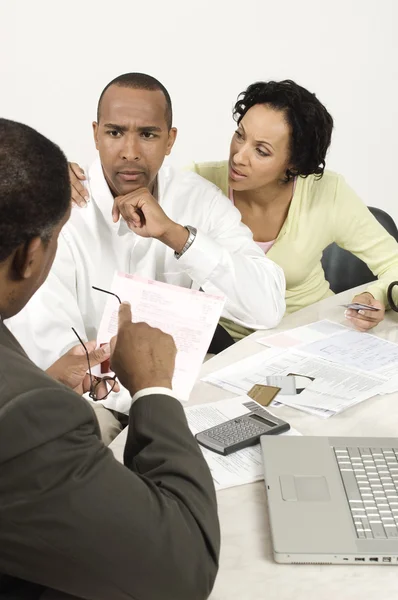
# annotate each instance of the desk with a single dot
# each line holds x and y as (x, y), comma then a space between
(247, 570)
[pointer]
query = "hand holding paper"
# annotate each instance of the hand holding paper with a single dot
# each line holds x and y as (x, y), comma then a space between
(141, 356)
(189, 316)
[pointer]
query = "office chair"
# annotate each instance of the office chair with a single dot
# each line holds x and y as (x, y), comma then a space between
(342, 269)
(221, 340)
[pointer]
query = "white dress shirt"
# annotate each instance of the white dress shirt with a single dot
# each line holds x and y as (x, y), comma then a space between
(223, 258)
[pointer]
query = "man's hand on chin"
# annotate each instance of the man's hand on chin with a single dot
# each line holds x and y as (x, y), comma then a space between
(146, 218)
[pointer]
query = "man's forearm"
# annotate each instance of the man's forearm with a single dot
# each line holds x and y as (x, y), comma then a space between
(175, 237)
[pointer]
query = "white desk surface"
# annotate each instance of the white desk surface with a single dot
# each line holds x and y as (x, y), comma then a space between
(247, 569)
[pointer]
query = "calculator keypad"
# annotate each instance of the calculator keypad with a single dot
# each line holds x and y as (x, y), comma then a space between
(237, 430)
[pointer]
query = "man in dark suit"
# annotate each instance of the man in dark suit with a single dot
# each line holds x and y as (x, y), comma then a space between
(72, 518)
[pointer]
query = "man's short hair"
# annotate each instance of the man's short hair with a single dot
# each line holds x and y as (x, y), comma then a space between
(34, 186)
(140, 81)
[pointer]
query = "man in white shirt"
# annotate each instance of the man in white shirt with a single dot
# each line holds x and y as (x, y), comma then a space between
(156, 222)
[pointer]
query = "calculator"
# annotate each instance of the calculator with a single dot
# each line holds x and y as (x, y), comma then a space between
(241, 432)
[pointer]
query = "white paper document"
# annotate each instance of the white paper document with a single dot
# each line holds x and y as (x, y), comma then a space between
(334, 388)
(369, 365)
(303, 335)
(241, 467)
(362, 351)
(188, 315)
(240, 377)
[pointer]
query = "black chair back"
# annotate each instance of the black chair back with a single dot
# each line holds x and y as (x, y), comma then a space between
(342, 269)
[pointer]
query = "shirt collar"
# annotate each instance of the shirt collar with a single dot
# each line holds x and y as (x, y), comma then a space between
(100, 192)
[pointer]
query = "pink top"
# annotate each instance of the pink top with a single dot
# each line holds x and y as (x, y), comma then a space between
(265, 246)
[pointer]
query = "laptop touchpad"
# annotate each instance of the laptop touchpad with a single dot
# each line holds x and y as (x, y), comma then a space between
(304, 489)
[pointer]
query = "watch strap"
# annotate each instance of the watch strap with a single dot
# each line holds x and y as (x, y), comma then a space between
(191, 238)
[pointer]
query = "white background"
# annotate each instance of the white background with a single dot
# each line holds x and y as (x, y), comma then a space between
(56, 57)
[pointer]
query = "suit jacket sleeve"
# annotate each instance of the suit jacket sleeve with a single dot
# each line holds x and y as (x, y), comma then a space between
(74, 519)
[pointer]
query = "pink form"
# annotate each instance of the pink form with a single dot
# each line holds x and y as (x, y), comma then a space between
(188, 315)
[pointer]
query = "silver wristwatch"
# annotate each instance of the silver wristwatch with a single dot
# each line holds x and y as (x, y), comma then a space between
(191, 238)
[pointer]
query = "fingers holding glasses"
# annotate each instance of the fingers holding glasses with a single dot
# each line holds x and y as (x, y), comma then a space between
(71, 368)
(99, 355)
(101, 387)
(84, 381)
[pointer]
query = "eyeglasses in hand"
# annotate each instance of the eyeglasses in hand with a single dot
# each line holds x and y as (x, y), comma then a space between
(96, 382)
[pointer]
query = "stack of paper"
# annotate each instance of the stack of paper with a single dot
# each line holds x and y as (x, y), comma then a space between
(243, 466)
(347, 367)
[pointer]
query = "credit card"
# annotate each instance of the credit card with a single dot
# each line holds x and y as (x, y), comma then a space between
(263, 394)
(358, 306)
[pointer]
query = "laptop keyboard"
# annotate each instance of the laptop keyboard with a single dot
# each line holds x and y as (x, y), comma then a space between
(370, 479)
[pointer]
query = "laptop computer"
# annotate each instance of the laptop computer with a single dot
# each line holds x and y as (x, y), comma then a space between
(332, 500)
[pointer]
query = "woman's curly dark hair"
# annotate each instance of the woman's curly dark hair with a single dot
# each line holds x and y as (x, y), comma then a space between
(311, 124)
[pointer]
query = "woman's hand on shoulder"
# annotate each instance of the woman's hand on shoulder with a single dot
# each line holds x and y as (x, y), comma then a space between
(80, 195)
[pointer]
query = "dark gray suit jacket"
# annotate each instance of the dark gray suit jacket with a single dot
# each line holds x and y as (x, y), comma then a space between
(74, 519)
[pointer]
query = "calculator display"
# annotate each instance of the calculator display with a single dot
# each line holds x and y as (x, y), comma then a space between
(262, 420)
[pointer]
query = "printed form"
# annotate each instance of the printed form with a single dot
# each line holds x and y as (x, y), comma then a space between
(241, 467)
(363, 351)
(188, 315)
(335, 387)
(305, 334)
